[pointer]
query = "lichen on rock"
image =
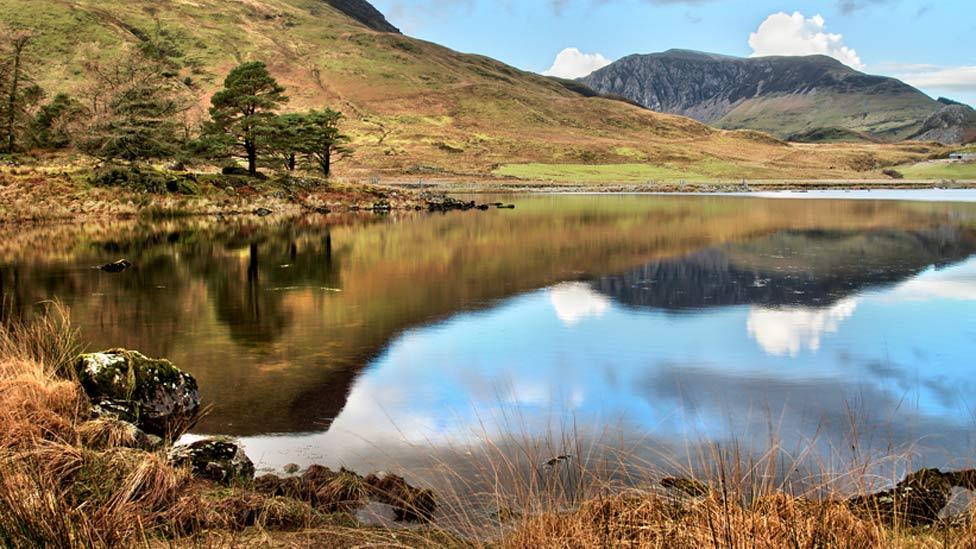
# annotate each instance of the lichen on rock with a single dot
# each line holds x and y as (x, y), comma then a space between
(151, 393)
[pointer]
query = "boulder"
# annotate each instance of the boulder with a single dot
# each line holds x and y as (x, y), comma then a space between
(153, 394)
(235, 170)
(217, 459)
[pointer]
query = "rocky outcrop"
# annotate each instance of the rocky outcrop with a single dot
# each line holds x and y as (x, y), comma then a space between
(917, 500)
(780, 95)
(952, 124)
(345, 491)
(365, 13)
(152, 394)
(216, 459)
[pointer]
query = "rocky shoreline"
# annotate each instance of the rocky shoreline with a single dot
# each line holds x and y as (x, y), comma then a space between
(154, 403)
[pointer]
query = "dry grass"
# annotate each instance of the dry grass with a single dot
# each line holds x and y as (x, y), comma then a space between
(69, 481)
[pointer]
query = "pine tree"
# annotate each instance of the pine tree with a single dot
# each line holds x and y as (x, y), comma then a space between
(242, 110)
(51, 127)
(134, 109)
(321, 139)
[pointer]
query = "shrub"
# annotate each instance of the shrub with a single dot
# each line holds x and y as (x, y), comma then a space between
(145, 180)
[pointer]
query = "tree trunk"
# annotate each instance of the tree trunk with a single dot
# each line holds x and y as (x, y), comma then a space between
(252, 157)
(327, 160)
(19, 46)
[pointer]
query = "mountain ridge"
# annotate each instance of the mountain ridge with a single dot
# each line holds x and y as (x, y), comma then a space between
(782, 95)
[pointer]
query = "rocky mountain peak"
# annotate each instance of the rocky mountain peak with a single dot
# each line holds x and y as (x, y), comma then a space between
(365, 13)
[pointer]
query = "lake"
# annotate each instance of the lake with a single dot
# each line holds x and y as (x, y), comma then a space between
(846, 326)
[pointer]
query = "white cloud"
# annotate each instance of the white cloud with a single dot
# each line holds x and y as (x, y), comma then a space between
(575, 301)
(943, 78)
(572, 63)
(784, 34)
(782, 332)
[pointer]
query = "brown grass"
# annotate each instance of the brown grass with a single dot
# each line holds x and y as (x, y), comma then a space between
(69, 481)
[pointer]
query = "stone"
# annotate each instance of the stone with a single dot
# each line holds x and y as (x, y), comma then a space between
(918, 499)
(153, 394)
(218, 459)
(331, 491)
(116, 267)
(262, 212)
(235, 170)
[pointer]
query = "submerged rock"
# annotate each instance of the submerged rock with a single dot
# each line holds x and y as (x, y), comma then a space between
(448, 204)
(116, 267)
(153, 394)
(217, 459)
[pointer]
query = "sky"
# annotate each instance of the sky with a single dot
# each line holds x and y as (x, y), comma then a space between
(930, 44)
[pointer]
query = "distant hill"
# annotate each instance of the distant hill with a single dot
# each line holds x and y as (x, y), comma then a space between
(784, 96)
(416, 109)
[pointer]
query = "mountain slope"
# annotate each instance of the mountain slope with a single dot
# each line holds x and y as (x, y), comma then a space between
(785, 96)
(413, 107)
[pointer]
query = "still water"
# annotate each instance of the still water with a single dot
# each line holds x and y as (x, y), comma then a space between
(369, 341)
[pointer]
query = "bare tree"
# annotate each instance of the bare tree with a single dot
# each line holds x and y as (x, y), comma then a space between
(18, 89)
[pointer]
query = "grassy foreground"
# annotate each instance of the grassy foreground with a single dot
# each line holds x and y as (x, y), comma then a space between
(69, 481)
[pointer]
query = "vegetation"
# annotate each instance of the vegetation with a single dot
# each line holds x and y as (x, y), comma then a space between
(134, 107)
(243, 108)
(938, 170)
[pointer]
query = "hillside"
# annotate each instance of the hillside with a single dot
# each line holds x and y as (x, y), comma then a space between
(785, 96)
(416, 109)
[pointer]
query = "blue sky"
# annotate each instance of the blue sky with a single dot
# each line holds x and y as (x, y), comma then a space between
(931, 44)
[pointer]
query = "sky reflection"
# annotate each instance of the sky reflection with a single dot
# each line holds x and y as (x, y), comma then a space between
(899, 356)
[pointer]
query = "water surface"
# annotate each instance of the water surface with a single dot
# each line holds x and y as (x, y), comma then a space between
(370, 341)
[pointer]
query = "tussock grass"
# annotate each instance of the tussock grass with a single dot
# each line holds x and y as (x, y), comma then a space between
(67, 480)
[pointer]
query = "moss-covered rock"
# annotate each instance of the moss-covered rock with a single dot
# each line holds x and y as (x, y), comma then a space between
(145, 179)
(153, 394)
(217, 459)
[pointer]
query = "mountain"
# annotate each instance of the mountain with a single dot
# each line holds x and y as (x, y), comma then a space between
(415, 109)
(785, 96)
(365, 13)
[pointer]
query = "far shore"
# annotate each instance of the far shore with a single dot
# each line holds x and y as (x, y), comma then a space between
(519, 186)
(37, 195)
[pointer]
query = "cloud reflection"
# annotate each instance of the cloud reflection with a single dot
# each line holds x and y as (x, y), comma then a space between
(785, 332)
(576, 301)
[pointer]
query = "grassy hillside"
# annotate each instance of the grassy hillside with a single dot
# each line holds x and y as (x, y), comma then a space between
(895, 116)
(415, 108)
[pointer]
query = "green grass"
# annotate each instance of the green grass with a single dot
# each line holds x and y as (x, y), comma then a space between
(940, 170)
(708, 169)
(596, 173)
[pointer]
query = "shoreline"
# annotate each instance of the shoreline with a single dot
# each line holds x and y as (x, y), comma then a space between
(37, 195)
